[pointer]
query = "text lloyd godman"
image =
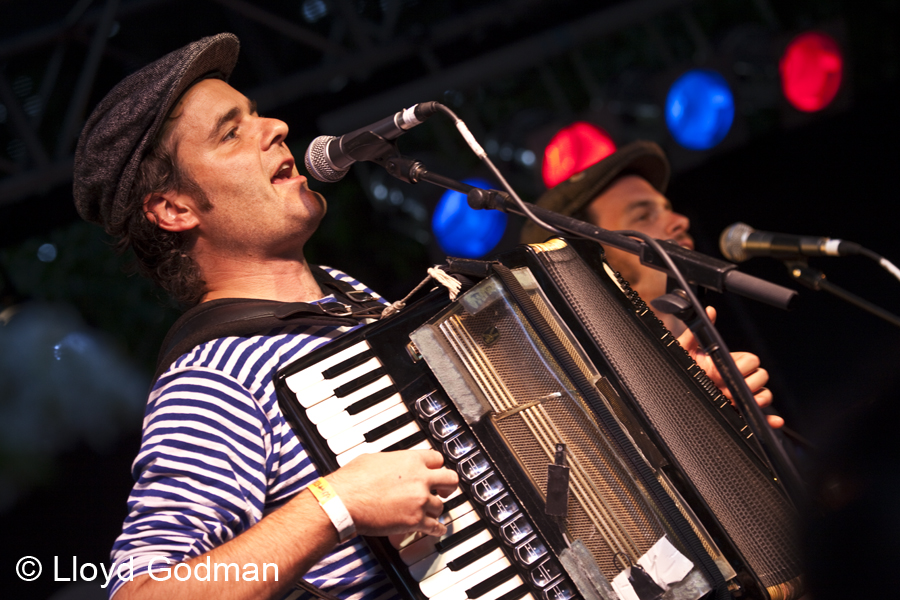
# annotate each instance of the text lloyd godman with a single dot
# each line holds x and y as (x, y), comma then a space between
(201, 571)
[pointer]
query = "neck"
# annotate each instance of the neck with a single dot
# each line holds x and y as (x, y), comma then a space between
(288, 280)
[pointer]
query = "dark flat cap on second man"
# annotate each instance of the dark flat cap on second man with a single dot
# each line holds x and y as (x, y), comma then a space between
(641, 158)
(123, 127)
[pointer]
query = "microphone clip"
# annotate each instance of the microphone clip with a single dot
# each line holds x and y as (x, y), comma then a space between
(371, 147)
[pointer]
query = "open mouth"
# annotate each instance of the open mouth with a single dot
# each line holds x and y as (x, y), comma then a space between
(286, 171)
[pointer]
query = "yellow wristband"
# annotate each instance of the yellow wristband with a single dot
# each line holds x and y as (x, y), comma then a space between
(334, 508)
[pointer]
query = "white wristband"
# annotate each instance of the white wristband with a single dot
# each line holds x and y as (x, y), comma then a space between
(334, 508)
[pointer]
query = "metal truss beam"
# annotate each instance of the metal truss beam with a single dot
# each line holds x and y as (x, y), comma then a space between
(364, 47)
(513, 58)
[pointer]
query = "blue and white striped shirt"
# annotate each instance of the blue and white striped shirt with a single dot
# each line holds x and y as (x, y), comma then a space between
(217, 455)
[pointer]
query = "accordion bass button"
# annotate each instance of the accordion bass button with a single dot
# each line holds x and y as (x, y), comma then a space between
(431, 404)
(501, 509)
(516, 530)
(564, 590)
(474, 466)
(530, 551)
(487, 487)
(445, 424)
(543, 574)
(459, 445)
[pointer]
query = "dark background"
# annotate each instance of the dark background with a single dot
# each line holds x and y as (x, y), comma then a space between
(65, 452)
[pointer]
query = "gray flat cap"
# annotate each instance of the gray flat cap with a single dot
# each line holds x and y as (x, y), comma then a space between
(120, 131)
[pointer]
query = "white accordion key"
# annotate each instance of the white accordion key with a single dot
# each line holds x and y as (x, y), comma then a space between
(459, 591)
(303, 379)
(443, 579)
(343, 422)
(326, 388)
(332, 405)
(342, 441)
(425, 546)
(392, 438)
(455, 512)
(423, 445)
(435, 562)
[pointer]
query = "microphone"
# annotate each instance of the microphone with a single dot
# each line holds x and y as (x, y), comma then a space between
(739, 242)
(329, 157)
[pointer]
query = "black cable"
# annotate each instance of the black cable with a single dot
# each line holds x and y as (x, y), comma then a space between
(480, 152)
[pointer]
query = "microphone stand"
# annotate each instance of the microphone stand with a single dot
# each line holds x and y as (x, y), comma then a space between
(662, 255)
(815, 279)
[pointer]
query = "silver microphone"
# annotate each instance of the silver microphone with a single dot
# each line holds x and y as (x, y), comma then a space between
(328, 158)
(739, 242)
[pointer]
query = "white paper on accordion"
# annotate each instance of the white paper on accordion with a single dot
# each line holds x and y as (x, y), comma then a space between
(663, 563)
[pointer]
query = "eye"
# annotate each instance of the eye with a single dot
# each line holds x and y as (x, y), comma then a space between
(231, 134)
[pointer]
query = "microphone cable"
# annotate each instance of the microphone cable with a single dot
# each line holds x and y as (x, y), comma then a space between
(480, 153)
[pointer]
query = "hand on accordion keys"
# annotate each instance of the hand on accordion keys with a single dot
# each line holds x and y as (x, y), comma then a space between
(755, 376)
(395, 492)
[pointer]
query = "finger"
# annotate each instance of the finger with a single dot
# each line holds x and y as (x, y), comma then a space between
(444, 481)
(434, 507)
(763, 397)
(775, 421)
(755, 383)
(430, 526)
(757, 380)
(746, 362)
(432, 458)
(687, 339)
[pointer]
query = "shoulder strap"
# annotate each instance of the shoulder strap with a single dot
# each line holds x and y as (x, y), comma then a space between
(227, 317)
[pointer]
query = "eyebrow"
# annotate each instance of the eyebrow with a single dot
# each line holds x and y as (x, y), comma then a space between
(231, 115)
(645, 203)
(640, 204)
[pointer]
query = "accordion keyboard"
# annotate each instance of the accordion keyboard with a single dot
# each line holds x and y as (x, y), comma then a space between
(348, 405)
(355, 406)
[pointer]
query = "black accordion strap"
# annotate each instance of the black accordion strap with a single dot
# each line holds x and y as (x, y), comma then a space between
(592, 397)
(228, 317)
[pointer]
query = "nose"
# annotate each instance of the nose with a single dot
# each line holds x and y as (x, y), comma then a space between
(274, 132)
(678, 223)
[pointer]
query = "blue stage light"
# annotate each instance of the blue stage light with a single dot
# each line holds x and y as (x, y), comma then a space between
(699, 109)
(463, 231)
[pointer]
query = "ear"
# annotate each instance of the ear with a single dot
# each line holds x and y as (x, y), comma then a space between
(171, 211)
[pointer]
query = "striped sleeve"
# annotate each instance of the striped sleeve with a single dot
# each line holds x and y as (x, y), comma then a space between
(202, 471)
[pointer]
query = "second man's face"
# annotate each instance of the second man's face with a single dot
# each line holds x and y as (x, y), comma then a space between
(632, 203)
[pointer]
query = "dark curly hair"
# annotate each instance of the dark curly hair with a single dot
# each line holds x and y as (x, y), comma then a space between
(163, 255)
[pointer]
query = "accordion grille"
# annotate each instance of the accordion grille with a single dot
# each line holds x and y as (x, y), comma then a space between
(607, 507)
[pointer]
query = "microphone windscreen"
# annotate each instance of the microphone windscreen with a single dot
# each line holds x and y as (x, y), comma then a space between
(731, 242)
(317, 163)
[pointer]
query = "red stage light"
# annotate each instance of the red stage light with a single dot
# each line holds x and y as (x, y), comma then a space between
(574, 149)
(811, 70)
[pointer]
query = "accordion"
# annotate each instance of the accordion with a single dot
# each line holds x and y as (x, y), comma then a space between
(596, 459)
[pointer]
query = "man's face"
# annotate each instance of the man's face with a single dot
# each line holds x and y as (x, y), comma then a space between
(261, 206)
(632, 203)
